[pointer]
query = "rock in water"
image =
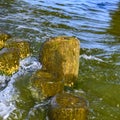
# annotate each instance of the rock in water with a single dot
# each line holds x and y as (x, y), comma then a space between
(60, 56)
(44, 85)
(9, 61)
(67, 106)
(3, 39)
(22, 46)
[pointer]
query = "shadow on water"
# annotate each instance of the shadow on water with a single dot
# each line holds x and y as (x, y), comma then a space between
(114, 28)
(114, 31)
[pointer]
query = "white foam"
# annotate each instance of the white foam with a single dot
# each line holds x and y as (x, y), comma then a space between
(8, 96)
(6, 102)
(90, 57)
(3, 80)
(29, 64)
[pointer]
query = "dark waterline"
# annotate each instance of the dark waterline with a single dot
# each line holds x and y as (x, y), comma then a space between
(95, 23)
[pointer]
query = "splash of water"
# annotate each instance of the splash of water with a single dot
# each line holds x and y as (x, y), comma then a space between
(8, 95)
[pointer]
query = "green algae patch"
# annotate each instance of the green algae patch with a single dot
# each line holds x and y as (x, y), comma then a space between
(9, 61)
(60, 56)
(44, 85)
(23, 99)
(3, 38)
(66, 106)
(22, 46)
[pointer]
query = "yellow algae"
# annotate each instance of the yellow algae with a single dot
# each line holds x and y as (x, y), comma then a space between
(3, 38)
(60, 56)
(66, 106)
(9, 61)
(22, 46)
(44, 85)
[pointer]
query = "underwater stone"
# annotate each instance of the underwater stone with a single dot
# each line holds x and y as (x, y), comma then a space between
(44, 85)
(60, 56)
(22, 46)
(38, 112)
(9, 61)
(66, 106)
(3, 39)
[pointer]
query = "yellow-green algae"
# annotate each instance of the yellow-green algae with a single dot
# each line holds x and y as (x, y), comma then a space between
(22, 46)
(3, 38)
(44, 85)
(9, 61)
(60, 56)
(66, 106)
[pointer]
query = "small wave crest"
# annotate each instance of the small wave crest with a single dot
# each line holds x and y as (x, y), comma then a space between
(90, 57)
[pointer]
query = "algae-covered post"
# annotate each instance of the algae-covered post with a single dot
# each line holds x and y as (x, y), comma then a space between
(67, 106)
(3, 38)
(44, 85)
(9, 61)
(60, 56)
(11, 52)
(22, 46)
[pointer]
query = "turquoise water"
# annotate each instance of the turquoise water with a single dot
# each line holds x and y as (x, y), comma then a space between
(95, 23)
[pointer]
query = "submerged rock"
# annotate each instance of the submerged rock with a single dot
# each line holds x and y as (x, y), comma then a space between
(67, 106)
(38, 112)
(3, 39)
(22, 46)
(60, 56)
(9, 61)
(44, 85)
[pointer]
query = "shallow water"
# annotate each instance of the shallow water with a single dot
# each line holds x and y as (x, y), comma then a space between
(95, 23)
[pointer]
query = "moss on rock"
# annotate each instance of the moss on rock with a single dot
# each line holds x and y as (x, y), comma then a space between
(3, 38)
(44, 85)
(60, 56)
(22, 46)
(9, 61)
(67, 106)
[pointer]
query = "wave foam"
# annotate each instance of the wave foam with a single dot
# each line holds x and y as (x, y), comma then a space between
(8, 96)
(90, 57)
